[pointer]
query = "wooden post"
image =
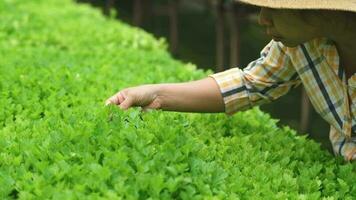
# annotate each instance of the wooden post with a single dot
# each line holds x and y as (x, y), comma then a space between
(235, 20)
(148, 10)
(173, 25)
(108, 5)
(305, 112)
(220, 32)
(137, 12)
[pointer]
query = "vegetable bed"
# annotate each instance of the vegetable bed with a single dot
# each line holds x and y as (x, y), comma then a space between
(59, 61)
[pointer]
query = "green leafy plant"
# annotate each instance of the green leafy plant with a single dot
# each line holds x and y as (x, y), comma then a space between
(60, 60)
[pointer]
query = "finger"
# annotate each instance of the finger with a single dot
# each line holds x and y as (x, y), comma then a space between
(115, 99)
(152, 106)
(121, 97)
(111, 100)
(146, 109)
(127, 103)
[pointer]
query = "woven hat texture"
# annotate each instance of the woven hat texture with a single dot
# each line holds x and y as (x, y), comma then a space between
(345, 5)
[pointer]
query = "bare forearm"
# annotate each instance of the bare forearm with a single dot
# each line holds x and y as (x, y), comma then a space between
(197, 96)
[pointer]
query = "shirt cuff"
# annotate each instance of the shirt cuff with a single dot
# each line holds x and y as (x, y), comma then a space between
(233, 90)
(341, 146)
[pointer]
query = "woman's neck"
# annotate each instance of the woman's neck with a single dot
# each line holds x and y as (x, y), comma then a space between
(346, 45)
(347, 53)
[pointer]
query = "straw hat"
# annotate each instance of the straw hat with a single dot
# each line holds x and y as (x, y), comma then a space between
(345, 5)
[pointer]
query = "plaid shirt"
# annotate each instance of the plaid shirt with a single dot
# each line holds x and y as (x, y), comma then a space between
(315, 64)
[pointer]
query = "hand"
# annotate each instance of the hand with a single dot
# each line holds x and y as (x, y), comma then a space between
(145, 96)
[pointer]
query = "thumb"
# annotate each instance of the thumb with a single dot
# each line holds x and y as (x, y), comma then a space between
(127, 103)
(153, 105)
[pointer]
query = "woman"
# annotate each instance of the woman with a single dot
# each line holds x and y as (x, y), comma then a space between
(313, 43)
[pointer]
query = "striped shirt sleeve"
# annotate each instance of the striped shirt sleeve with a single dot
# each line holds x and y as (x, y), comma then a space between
(341, 145)
(262, 81)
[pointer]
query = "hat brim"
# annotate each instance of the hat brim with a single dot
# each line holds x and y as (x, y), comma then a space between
(344, 5)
